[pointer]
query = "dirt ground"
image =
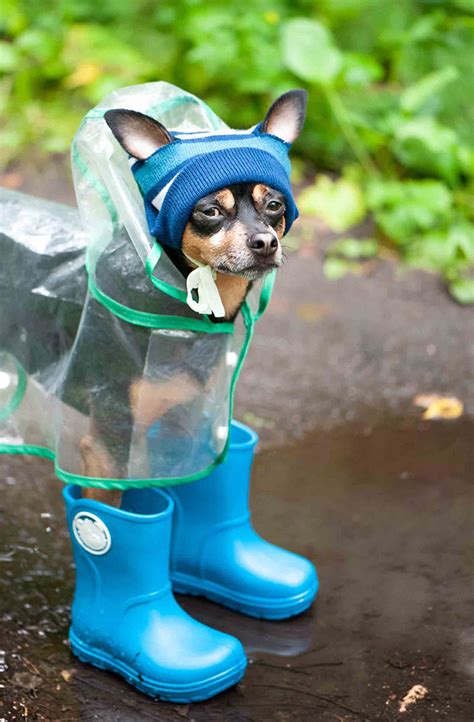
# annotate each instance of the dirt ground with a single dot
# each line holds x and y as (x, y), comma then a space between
(347, 474)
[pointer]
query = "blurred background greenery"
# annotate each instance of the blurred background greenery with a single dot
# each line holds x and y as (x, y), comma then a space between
(391, 108)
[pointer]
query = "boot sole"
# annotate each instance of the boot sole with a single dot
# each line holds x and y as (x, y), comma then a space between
(259, 607)
(184, 694)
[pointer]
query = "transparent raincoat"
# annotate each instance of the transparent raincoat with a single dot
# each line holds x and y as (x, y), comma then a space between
(90, 304)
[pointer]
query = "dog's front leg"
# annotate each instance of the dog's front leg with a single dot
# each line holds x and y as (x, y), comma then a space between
(149, 401)
(97, 462)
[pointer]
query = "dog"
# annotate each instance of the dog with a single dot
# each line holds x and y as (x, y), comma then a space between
(235, 230)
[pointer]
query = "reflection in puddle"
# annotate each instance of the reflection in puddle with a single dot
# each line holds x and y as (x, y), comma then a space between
(283, 638)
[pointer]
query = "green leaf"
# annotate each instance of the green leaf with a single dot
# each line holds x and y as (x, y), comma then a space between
(309, 51)
(39, 45)
(298, 168)
(466, 160)
(432, 251)
(335, 268)
(354, 248)
(340, 203)
(360, 69)
(405, 209)
(9, 57)
(462, 289)
(428, 193)
(466, 5)
(415, 96)
(449, 250)
(426, 146)
(424, 28)
(451, 45)
(462, 237)
(120, 60)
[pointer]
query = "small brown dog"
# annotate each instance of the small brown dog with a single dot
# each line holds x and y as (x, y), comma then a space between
(237, 231)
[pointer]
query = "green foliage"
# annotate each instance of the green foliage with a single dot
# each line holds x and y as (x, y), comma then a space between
(425, 146)
(309, 51)
(346, 256)
(462, 289)
(391, 88)
(341, 203)
(419, 95)
(355, 248)
(396, 80)
(336, 268)
(404, 209)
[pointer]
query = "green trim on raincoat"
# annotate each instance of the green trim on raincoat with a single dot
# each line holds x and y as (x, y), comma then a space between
(202, 324)
(101, 483)
(17, 397)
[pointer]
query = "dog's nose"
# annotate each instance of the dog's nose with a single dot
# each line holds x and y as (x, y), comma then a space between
(265, 244)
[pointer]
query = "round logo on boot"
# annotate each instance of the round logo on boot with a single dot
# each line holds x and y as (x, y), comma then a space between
(91, 533)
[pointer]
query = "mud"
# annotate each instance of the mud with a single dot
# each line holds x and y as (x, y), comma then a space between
(386, 515)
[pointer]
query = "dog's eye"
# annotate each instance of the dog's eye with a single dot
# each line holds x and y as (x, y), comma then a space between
(212, 212)
(274, 206)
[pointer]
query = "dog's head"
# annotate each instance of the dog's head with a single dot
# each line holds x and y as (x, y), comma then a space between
(236, 229)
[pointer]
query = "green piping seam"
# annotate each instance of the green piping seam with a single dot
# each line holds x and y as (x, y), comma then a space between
(17, 397)
(142, 318)
(99, 113)
(153, 320)
(70, 478)
(30, 449)
(94, 183)
(150, 263)
(249, 326)
(149, 320)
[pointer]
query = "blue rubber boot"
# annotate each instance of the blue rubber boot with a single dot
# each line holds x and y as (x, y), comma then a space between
(124, 616)
(216, 553)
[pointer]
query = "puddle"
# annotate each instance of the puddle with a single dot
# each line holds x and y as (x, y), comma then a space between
(386, 515)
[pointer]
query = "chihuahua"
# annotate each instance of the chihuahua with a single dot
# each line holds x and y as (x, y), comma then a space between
(236, 231)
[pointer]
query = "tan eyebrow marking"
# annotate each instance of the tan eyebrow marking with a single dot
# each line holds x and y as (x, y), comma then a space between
(259, 192)
(226, 198)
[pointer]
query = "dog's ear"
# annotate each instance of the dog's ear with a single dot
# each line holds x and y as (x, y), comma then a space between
(285, 118)
(139, 134)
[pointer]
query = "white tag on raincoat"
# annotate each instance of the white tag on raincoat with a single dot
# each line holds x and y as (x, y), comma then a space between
(202, 279)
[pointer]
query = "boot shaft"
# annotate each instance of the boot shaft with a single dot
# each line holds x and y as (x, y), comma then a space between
(118, 553)
(217, 553)
(223, 495)
(124, 616)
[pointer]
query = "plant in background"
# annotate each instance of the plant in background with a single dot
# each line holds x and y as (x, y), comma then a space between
(390, 114)
(415, 170)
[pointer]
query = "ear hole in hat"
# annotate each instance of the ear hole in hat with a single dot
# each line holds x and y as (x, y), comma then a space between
(137, 133)
(286, 117)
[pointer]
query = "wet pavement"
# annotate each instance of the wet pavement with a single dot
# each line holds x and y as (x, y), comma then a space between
(386, 516)
(347, 474)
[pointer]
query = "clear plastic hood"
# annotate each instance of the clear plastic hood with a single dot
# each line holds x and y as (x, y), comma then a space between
(106, 192)
(103, 366)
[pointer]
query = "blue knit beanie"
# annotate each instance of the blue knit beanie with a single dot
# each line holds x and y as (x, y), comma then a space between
(193, 165)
